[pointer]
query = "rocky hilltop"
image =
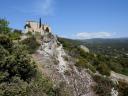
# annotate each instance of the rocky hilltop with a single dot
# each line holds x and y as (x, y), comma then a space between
(42, 64)
(56, 64)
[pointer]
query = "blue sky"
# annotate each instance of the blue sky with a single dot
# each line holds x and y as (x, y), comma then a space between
(81, 19)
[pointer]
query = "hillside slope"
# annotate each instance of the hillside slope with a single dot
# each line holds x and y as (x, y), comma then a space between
(57, 65)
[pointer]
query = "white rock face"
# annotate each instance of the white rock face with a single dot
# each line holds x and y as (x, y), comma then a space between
(62, 62)
(118, 76)
(84, 48)
(51, 56)
(114, 92)
(23, 37)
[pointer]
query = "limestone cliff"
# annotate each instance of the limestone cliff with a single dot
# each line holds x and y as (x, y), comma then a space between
(60, 68)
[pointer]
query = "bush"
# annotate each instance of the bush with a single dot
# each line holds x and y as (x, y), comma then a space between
(14, 60)
(83, 63)
(125, 71)
(4, 29)
(116, 67)
(103, 69)
(3, 53)
(18, 64)
(63, 90)
(16, 87)
(15, 34)
(31, 43)
(6, 42)
(103, 86)
(40, 86)
(29, 34)
(123, 88)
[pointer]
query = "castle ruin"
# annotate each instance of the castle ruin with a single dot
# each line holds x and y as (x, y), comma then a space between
(34, 26)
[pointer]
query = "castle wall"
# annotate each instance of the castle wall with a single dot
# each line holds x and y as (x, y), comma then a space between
(35, 27)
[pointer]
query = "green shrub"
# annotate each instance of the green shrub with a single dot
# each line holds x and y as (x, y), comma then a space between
(3, 53)
(31, 43)
(63, 90)
(40, 86)
(103, 86)
(18, 63)
(103, 69)
(37, 35)
(16, 87)
(4, 29)
(65, 58)
(6, 42)
(125, 71)
(116, 67)
(66, 72)
(83, 63)
(15, 34)
(123, 88)
(29, 34)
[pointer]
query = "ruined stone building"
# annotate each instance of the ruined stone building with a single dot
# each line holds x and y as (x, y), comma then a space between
(34, 26)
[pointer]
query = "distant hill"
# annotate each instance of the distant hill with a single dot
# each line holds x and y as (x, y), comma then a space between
(102, 40)
(115, 49)
(115, 43)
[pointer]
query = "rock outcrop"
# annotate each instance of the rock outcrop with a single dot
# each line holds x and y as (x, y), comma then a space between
(60, 68)
(84, 48)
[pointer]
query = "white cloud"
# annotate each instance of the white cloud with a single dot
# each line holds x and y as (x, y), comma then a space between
(89, 35)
